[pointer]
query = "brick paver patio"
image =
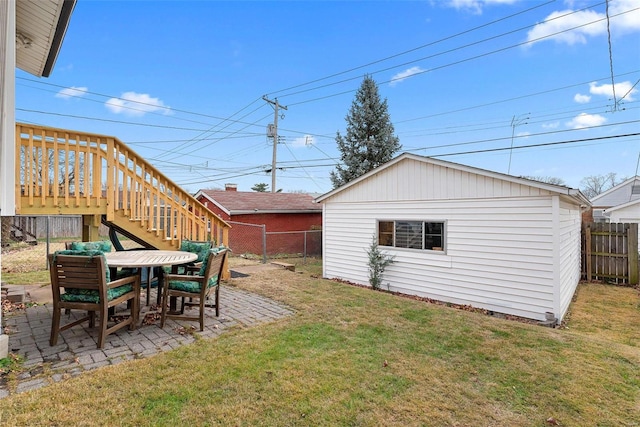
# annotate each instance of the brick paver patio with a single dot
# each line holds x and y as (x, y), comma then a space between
(76, 350)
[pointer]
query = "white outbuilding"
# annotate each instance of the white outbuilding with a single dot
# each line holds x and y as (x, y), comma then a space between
(458, 234)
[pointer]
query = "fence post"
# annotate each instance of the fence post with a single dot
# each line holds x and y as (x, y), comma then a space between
(305, 247)
(264, 243)
(587, 245)
(632, 242)
(48, 239)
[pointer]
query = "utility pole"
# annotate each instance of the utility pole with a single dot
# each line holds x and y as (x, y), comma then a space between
(275, 105)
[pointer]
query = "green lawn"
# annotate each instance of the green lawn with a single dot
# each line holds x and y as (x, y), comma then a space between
(352, 356)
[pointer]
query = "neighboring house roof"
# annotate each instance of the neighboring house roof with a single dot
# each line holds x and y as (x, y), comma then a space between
(622, 206)
(619, 194)
(558, 189)
(253, 202)
(40, 29)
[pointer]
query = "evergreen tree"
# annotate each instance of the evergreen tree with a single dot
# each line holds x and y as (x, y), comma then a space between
(369, 141)
(260, 187)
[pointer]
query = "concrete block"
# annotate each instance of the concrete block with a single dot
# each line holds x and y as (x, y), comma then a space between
(4, 346)
(285, 265)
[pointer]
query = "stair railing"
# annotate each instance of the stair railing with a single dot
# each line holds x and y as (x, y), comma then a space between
(77, 172)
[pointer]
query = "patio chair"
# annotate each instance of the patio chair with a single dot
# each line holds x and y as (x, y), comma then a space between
(196, 286)
(80, 280)
(201, 248)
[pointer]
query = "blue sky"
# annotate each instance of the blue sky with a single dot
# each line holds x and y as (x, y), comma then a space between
(183, 83)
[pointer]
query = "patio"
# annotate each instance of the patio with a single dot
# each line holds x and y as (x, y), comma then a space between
(76, 350)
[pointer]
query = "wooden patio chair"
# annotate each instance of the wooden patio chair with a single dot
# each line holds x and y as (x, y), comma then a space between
(80, 280)
(196, 287)
(201, 248)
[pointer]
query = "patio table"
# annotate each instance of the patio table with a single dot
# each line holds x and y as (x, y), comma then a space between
(148, 259)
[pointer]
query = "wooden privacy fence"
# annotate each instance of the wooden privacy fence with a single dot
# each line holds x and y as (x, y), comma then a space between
(610, 252)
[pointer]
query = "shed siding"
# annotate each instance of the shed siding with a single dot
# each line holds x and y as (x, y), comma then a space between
(569, 262)
(436, 182)
(499, 251)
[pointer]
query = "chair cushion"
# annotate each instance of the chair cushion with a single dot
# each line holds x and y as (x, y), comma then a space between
(214, 251)
(92, 296)
(190, 286)
(126, 272)
(102, 245)
(199, 248)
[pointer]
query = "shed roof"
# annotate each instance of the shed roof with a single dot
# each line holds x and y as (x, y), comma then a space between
(562, 190)
(253, 202)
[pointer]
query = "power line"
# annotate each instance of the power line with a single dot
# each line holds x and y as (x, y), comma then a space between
(545, 144)
(450, 64)
(414, 49)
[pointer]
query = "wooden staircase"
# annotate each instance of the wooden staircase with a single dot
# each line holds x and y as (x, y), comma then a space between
(97, 176)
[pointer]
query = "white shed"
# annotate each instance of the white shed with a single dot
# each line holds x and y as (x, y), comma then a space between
(459, 234)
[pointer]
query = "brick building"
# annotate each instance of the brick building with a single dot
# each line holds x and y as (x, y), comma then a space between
(281, 214)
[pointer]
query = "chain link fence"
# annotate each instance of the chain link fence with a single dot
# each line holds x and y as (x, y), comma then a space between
(254, 241)
(26, 250)
(27, 241)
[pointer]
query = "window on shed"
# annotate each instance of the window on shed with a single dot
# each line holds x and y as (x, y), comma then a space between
(424, 235)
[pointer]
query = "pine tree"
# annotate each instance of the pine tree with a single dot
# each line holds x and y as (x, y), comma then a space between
(369, 141)
(260, 187)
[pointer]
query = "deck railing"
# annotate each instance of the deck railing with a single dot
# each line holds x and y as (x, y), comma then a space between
(64, 171)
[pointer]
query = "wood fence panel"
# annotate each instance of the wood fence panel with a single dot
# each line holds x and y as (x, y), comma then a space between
(610, 252)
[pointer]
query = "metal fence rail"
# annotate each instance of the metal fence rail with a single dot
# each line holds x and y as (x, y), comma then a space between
(254, 240)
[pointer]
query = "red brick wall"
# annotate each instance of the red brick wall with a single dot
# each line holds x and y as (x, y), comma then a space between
(243, 239)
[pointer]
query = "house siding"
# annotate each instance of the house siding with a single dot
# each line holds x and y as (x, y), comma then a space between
(498, 252)
(627, 214)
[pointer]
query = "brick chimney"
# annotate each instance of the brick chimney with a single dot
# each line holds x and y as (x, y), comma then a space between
(231, 187)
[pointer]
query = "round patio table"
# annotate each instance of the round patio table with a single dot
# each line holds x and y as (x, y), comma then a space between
(148, 259)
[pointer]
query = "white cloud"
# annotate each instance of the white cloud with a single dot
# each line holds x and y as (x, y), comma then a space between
(552, 125)
(556, 25)
(136, 104)
(581, 99)
(622, 89)
(584, 120)
(404, 75)
(304, 141)
(475, 6)
(72, 91)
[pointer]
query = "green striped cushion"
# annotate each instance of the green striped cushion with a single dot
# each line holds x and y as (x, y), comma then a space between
(92, 296)
(190, 286)
(102, 245)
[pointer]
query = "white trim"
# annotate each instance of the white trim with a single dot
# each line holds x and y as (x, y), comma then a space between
(622, 206)
(206, 196)
(557, 268)
(7, 112)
